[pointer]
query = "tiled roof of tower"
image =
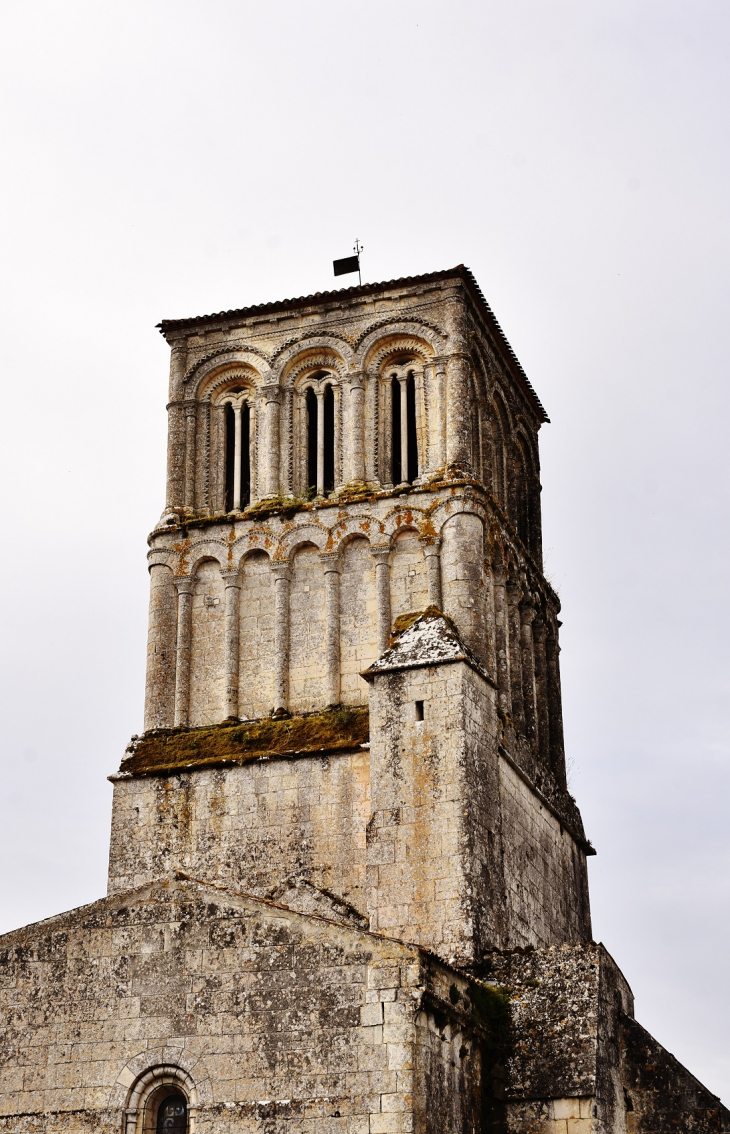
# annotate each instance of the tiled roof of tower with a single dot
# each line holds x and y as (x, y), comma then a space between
(460, 271)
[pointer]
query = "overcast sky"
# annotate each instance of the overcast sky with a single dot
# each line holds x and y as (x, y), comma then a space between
(163, 159)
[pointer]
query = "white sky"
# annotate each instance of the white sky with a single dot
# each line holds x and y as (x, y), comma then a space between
(176, 158)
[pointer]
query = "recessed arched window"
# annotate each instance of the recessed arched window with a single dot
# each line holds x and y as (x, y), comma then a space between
(172, 1115)
(404, 434)
(320, 409)
(238, 455)
(312, 431)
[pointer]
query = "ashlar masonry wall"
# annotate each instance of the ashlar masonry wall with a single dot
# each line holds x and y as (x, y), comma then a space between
(254, 828)
(276, 1021)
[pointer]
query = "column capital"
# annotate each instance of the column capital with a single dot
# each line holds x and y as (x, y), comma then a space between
(191, 408)
(272, 393)
(231, 578)
(281, 570)
(331, 561)
(183, 584)
(380, 552)
(355, 379)
(431, 545)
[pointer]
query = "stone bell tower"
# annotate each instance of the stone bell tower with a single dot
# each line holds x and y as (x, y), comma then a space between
(352, 530)
(347, 882)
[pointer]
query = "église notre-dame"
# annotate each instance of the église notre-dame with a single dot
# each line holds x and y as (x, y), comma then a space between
(347, 881)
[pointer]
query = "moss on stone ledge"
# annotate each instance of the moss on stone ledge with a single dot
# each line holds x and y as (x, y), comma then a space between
(165, 751)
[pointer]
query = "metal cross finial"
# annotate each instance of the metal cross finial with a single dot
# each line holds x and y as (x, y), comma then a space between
(357, 249)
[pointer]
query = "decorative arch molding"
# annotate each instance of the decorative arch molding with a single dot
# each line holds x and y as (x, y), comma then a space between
(311, 532)
(402, 519)
(319, 360)
(212, 548)
(340, 344)
(337, 350)
(423, 327)
(523, 440)
(161, 557)
(499, 402)
(210, 386)
(358, 526)
(248, 357)
(391, 338)
(445, 510)
(138, 1072)
(258, 539)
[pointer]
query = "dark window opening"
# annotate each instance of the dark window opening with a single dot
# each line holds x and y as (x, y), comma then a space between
(245, 483)
(311, 440)
(245, 455)
(329, 440)
(419, 710)
(172, 1116)
(230, 454)
(412, 434)
(395, 443)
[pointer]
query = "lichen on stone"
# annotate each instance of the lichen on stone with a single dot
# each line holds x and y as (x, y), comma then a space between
(164, 751)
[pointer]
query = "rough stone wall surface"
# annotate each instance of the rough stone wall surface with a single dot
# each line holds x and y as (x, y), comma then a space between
(544, 870)
(252, 827)
(279, 1022)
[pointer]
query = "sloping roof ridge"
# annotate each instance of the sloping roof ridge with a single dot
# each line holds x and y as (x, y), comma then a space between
(460, 271)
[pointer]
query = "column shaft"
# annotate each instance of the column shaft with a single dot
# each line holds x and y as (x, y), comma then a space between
(381, 556)
(442, 411)
(331, 566)
(515, 655)
(281, 636)
(190, 415)
(527, 613)
(182, 651)
(232, 583)
(357, 430)
(458, 421)
(542, 707)
(432, 552)
(501, 638)
(557, 747)
(273, 397)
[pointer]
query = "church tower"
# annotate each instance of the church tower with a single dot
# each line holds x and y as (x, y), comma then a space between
(341, 468)
(347, 881)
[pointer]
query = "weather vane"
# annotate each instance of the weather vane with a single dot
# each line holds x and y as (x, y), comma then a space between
(349, 264)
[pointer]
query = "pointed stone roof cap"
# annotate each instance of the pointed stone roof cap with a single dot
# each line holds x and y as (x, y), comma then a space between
(430, 639)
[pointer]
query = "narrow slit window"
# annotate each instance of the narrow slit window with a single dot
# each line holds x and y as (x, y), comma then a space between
(412, 433)
(230, 454)
(245, 455)
(419, 710)
(329, 440)
(396, 431)
(312, 415)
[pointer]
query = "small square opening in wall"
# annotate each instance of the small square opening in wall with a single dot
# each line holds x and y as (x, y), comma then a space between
(419, 710)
